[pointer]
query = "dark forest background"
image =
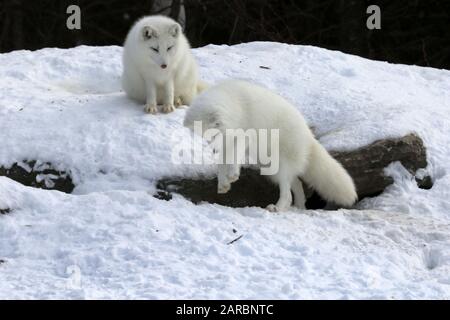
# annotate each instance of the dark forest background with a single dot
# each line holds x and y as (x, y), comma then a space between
(412, 32)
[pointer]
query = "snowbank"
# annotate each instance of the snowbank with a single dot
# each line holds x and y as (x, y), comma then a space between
(111, 239)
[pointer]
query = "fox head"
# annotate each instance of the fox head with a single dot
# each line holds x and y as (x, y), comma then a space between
(205, 125)
(203, 120)
(160, 42)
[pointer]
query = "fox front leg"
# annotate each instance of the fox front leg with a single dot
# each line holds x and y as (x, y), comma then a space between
(150, 105)
(233, 172)
(238, 156)
(168, 97)
(229, 169)
(223, 183)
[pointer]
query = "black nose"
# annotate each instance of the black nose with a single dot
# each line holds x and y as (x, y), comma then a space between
(164, 66)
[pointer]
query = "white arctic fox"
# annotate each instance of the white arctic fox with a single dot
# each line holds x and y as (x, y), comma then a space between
(158, 67)
(237, 104)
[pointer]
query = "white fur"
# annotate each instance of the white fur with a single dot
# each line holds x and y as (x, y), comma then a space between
(144, 79)
(238, 104)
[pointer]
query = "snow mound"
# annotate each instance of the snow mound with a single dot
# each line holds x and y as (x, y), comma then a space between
(112, 239)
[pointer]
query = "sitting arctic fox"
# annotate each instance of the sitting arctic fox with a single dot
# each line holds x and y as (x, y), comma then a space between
(238, 104)
(158, 67)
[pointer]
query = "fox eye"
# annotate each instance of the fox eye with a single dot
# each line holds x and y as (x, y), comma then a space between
(168, 49)
(155, 49)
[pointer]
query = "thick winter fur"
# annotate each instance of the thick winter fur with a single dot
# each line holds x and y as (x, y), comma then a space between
(158, 66)
(238, 104)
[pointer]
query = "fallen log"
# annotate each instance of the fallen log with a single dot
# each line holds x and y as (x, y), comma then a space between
(39, 175)
(365, 165)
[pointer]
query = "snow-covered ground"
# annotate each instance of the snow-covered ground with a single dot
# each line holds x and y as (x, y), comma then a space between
(112, 239)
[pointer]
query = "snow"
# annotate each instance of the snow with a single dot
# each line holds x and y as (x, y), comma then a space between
(111, 239)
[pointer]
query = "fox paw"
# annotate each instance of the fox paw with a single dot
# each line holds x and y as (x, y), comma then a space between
(233, 178)
(272, 208)
(223, 188)
(167, 108)
(178, 103)
(150, 108)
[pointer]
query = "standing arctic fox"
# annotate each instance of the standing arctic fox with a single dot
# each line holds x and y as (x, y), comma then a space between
(237, 104)
(158, 66)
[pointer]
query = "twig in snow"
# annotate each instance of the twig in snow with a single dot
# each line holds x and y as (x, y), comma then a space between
(5, 211)
(233, 241)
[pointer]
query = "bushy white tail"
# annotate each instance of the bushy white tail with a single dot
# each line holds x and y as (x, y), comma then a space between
(329, 178)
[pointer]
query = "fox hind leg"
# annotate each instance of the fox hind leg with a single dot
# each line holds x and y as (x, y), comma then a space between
(299, 194)
(285, 200)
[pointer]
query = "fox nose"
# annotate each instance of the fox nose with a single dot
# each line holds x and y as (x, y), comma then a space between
(164, 66)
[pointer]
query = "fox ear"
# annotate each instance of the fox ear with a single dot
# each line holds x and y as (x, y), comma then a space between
(175, 30)
(148, 33)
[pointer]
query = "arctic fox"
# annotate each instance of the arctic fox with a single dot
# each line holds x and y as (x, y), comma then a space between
(158, 66)
(238, 104)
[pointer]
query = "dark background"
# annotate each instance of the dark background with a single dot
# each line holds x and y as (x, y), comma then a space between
(412, 32)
